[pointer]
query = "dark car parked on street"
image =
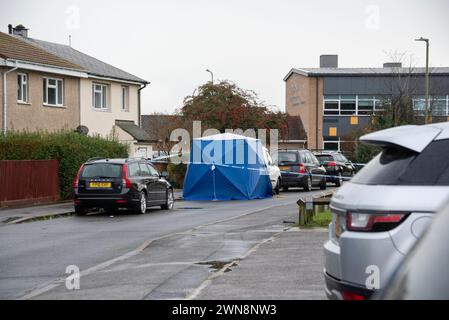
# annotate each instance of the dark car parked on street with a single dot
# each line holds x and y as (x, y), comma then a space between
(110, 184)
(337, 166)
(300, 168)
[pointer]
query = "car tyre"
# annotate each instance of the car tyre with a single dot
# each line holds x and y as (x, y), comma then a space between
(277, 188)
(308, 186)
(339, 181)
(80, 211)
(323, 185)
(141, 208)
(169, 201)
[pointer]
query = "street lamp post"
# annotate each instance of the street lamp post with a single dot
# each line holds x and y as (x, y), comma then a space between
(212, 75)
(427, 118)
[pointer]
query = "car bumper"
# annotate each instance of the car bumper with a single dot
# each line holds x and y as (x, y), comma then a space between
(294, 180)
(339, 290)
(106, 201)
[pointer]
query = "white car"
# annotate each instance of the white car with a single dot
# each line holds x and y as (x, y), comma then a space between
(273, 170)
(380, 214)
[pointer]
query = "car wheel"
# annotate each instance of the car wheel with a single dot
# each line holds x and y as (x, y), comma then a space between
(277, 189)
(142, 206)
(339, 181)
(323, 184)
(80, 211)
(308, 186)
(170, 201)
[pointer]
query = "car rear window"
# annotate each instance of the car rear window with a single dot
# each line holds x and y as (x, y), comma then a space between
(102, 170)
(288, 157)
(399, 166)
(324, 157)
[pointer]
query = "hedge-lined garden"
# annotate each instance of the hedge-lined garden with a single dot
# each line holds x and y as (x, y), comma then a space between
(69, 148)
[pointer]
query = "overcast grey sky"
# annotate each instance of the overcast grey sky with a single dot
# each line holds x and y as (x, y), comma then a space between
(252, 42)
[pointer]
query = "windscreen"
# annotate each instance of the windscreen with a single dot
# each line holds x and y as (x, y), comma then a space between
(288, 157)
(324, 157)
(102, 170)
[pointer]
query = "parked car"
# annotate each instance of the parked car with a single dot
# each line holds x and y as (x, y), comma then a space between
(385, 208)
(423, 273)
(274, 172)
(337, 166)
(120, 183)
(300, 168)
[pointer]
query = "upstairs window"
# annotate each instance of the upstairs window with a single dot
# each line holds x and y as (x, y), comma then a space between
(22, 90)
(53, 92)
(99, 94)
(124, 101)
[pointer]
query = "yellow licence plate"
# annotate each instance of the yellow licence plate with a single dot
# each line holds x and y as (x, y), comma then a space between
(100, 185)
(284, 168)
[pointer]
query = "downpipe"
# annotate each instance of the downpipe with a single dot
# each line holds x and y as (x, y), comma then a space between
(5, 95)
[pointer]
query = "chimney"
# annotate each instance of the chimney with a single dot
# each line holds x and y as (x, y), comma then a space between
(328, 61)
(20, 30)
(10, 28)
(393, 65)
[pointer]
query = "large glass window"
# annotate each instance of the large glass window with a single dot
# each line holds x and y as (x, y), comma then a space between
(22, 89)
(439, 105)
(99, 96)
(53, 92)
(365, 105)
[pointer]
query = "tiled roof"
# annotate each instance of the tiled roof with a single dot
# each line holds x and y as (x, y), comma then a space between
(13, 48)
(91, 64)
(151, 123)
(134, 130)
(295, 129)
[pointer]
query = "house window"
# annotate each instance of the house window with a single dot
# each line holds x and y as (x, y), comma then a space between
(53, 92)
(99, 94)
(22, 92)
(124, 101)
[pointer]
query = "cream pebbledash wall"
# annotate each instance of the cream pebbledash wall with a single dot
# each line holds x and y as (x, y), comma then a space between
(102, 122)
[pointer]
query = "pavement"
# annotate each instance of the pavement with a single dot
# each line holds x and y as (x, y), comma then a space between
(187, 253)
(26, 213)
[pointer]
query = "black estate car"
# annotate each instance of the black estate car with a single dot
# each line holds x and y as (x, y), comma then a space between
(337, 166)
(120, 183)
(300, 168)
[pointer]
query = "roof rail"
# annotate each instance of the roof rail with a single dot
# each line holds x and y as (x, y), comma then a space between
(136, 158)
(95, 158)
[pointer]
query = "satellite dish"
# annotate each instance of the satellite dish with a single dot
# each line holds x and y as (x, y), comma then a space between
(82, 130)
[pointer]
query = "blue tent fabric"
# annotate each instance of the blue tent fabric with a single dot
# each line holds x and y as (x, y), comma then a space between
(226, 167)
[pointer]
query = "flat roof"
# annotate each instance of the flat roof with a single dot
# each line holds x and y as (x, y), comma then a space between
(388, 71)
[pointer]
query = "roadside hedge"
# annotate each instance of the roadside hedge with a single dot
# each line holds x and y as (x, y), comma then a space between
(69, 148)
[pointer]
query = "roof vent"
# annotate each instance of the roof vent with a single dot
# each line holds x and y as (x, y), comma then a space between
(328, 61)
(393, 65)
(19, 30)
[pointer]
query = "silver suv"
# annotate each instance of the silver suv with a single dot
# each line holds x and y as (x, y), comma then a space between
(385, 208)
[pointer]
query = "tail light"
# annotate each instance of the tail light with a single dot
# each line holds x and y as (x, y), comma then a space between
(76, 181)
(331, 164)
(126, 183)
(373, 222)
(301, 169)
(347, 295)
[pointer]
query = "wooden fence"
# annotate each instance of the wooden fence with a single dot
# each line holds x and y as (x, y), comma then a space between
(28, 181)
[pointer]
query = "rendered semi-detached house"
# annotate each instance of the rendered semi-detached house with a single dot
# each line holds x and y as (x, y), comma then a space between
(51, 86)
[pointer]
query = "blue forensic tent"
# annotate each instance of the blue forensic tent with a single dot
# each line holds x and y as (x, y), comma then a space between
(226, 167)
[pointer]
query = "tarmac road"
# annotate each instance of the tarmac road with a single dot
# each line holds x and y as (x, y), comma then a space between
(159, 255)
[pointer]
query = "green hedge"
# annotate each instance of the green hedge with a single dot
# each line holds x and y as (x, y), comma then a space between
(69, 148)
(176, 174)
